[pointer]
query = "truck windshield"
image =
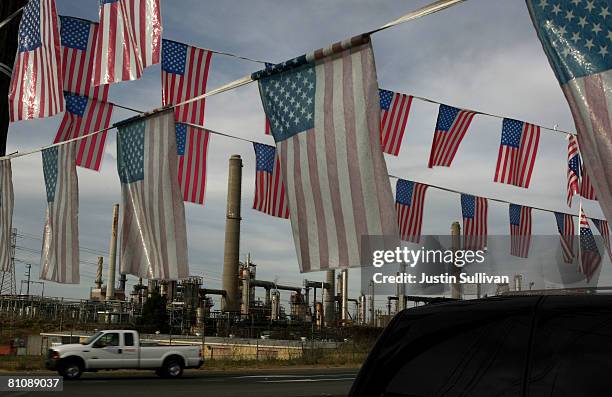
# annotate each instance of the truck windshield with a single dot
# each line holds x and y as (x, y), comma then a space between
(91, 338)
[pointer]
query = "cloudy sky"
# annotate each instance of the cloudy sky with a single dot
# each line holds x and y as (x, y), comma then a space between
(481, 54)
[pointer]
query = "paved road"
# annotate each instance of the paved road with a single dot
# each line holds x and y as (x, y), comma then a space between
(268, 383)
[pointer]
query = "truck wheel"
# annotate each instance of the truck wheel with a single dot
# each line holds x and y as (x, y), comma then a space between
(173, 368)
(71, 370)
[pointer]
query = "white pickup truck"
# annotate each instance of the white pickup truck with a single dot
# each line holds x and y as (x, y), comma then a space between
(122, 349)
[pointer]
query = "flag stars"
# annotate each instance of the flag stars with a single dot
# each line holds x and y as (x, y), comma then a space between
(582, 22)
(569, 15)
(603, 51)
(589, 44)
(556, 9)
(543, 3)
(590, 5)
(604, 12)
(596, 28)
(575, 37)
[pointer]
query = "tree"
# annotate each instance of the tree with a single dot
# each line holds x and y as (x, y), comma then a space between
(154, 315)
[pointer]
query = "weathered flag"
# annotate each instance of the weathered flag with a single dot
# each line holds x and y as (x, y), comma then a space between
(59, 260)
(590, 259)
(269, 188)
(577, 40)
(586, 187)
(184, 74)
(474, 210)
(36, 83)
(78, 37)
(7, 200)
(574, 169)
(409, 205)
(520, 230)
(192, 149)
(129, 40)
(565, 226)
(84, 116)
(325, 117)
(602, 226)
(394, 112)
(517, 153)
(153, 231)
(451, 127)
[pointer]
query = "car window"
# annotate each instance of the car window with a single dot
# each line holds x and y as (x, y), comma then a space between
(572, 347)
(466, 350)
(109, 339)
(128, 339)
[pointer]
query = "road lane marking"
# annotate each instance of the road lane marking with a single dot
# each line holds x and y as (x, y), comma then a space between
(305, 380)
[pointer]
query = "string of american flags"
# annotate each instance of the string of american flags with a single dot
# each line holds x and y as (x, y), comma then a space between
(76, 78)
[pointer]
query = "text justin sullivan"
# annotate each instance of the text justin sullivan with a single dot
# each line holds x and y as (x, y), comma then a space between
(442, 278)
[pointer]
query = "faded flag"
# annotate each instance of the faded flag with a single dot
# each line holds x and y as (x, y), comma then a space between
(60, 251)
(324, 111)
(6, 215)
(576, 38)
(153, 231)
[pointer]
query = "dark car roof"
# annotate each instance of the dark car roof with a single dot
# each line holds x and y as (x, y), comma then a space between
(413, 331)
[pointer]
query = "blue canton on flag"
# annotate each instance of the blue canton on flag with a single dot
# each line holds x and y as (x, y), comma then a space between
(574, 164)
(29, 30)
(131, 152)
(75, 104)
(515, 214)
(468, 205)
(181, 138)
(446, 117)
(511, 132)
(289, 101)
(174, 56)
(74, 33)
(386, 97)
(50, 157)
(403, 194)
(265, 155)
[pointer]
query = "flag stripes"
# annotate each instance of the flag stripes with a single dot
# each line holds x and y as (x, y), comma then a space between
(574, 169)
(192, 147)
(270, 195)
(60, 251)
(520, 230)
(590, 259)
(451, 127)
(474, 211)
(409, 205)
(7, 200)
(517, 153)
(84, 116)
(565, 226)
(394, 112)
(36, 84)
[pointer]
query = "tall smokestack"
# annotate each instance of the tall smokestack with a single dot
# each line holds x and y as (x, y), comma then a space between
(330, 298)
(112, 257)
(99, 273)
(231, 300)
(344, 306)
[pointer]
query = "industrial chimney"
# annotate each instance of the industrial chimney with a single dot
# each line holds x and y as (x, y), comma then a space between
(231, 301)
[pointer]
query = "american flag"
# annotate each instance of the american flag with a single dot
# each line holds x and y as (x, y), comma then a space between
(451, 127)
(517, 153)
(129, 40)
(269, 188)
(520, 230)
(7, 201)
(394, 111)
(153, 231)
(576, 38)
(602, 226)
(84, 116)
(192, 149)
(184, 75)
(325, 118)
(565, 226)
(59, 260)
(409, 204)
(474, 211)
(36, 84)
(78, 38)
(590, 259)
(574, 169)
(586, 187)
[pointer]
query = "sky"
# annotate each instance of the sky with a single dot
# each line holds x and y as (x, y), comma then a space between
(481, 54)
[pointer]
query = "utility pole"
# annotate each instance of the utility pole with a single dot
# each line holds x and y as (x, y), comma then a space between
(28, 274)
(112, 257)
(8, 284)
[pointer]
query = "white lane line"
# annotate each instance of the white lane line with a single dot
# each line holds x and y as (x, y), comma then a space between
(292, 376)
(305, 380)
